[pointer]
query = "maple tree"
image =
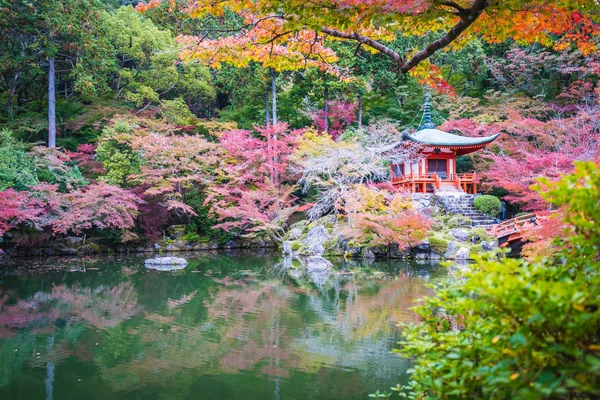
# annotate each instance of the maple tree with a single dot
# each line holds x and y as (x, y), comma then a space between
(15, 209)
(293, 34)
(100, 206)
(253, 194)
(340, 115)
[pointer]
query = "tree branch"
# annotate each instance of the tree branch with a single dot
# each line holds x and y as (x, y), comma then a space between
(454, 5)
(466, 20)
(366, 41)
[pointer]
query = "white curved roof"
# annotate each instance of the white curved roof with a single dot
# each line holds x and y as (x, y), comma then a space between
(435, 137)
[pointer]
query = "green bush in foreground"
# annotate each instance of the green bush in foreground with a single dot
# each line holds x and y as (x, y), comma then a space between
(512, 329)
(487, 204)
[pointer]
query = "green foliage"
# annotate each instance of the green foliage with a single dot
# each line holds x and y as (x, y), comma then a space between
(476, 249)
(20, 169)
(456, 221)
(464, 164)
(487, 204)
(516, 329)
(480, 233)
(150, 72)
(177, 111)
(438, 246)
(191, 237)
(117, 158)
(16, 168)
(202, 224)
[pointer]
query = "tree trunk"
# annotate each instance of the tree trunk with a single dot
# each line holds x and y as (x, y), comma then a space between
(10, 106)
(326, 109)
(360, 110)
(274, 97)
(51, 104)
(267, 115)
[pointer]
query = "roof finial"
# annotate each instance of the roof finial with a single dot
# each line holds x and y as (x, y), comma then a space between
(427, 123)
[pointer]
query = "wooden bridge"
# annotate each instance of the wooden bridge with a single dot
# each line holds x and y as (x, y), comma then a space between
(511, 231)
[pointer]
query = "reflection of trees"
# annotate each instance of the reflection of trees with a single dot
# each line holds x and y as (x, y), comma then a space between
(32, 322)
(165, 330)
(272, 328)
(102, 307)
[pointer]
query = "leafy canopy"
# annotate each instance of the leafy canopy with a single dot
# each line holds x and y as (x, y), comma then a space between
(295, 34)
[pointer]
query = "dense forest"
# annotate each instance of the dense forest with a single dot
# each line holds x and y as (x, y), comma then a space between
(120, 119)
(158, 108)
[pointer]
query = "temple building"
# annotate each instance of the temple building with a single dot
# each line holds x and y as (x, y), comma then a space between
(434, 169)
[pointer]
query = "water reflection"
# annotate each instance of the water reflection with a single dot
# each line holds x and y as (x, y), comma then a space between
(225, 327)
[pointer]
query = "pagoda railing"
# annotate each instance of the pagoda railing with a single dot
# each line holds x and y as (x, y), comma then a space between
(411, 181)
(457, 182)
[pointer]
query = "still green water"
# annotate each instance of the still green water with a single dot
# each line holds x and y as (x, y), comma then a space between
(225, 327)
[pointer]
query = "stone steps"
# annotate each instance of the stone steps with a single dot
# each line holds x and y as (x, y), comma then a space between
(463, 205)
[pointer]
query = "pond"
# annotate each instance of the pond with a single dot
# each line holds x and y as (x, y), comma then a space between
(225, 327)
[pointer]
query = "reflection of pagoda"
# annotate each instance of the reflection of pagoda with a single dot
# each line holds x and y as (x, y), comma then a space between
(435, 168)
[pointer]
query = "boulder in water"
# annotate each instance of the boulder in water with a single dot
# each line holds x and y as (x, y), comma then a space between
(451, 250)
(462, 253)
(313, 243)
(166, 263)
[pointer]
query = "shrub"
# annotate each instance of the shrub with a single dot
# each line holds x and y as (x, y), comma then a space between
(480, 233)
(476, 248)
(439, 246)
(459, 221)
(191, 237)
(118, 159)
(487, 204)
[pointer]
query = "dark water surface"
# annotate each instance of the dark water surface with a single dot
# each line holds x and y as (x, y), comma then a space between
(225, 327)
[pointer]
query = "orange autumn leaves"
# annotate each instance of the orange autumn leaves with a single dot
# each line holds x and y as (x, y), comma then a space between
(290, 35)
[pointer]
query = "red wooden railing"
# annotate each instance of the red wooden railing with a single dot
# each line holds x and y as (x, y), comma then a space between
(411, 181)
(512, 226)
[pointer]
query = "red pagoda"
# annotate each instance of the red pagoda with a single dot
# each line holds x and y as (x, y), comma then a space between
(434, 170)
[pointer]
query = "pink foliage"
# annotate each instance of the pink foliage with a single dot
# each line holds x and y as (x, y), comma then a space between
(339, 116)
(253, 195)
(257, 158)
(529, 148)
(99, 206)
(519, 172)
(85, 156)
(15, 209)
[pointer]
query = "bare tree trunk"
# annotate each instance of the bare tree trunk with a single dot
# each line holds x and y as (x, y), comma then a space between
(12, 84)
(326, 108)
(270, 150)
(10, 106)
(274, 97)
(360, 110)
(51, 104)
(267, 115)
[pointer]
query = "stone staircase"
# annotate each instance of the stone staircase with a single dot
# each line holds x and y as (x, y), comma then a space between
(448, 188)
(462, 203)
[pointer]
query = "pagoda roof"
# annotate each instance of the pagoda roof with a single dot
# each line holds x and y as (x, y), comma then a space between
(436, 138)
